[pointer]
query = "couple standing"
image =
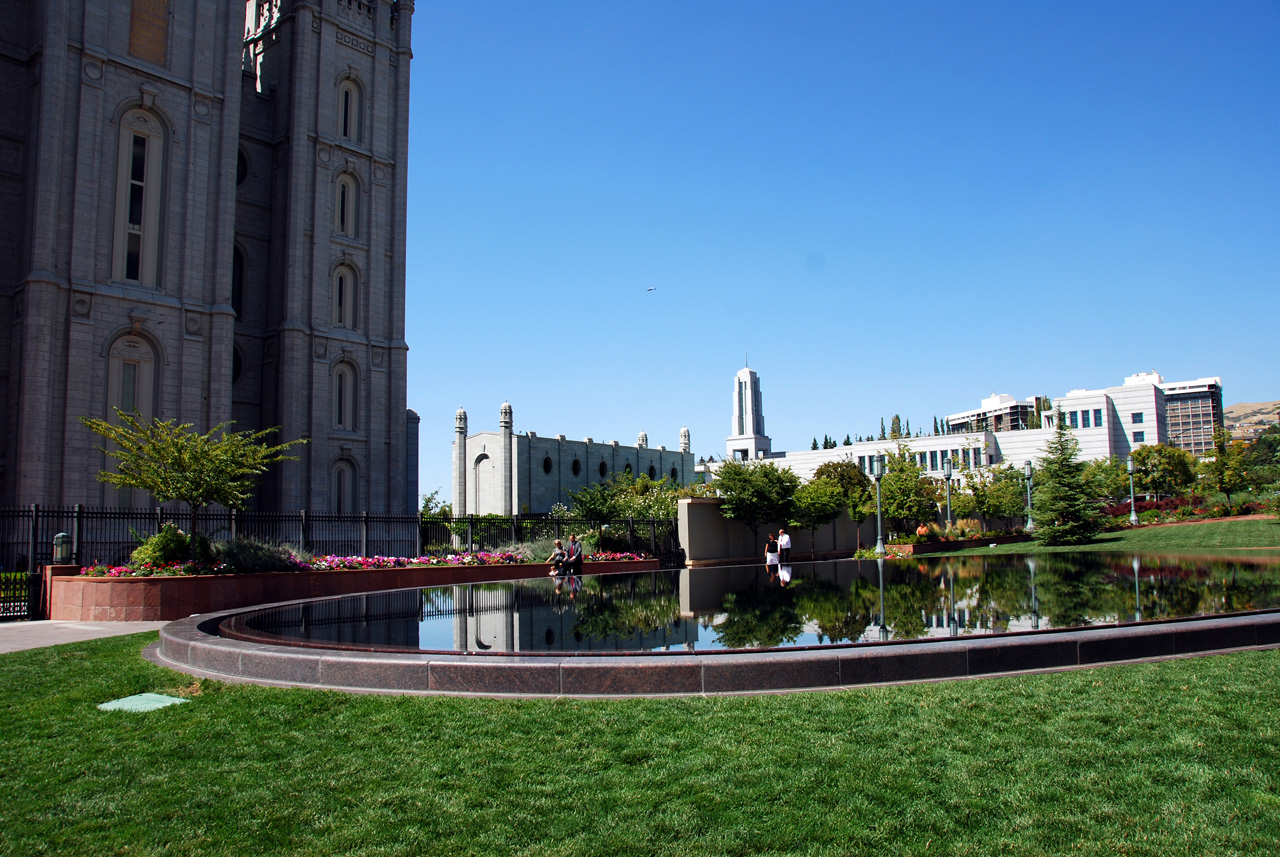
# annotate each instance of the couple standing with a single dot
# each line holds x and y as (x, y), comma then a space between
(566, 561)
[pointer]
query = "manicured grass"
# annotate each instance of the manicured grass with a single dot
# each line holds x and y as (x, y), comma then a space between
(1171, 758)
(1209, 537)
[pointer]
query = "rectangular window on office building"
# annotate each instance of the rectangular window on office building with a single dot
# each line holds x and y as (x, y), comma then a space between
(1074, 416)
(1137, 418)
(1084, 419)
(1139, 437)
(1097, 417)
(933, 459)
(862, 463)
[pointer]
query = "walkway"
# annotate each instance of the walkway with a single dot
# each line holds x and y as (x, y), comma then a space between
(16, 636)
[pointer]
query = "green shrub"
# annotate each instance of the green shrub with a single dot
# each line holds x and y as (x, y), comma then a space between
(246, 556)
(167, 546)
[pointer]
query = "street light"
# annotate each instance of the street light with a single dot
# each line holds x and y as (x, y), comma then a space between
(946, 473)
(1133, 507)
(1026, 471)
(877, 473)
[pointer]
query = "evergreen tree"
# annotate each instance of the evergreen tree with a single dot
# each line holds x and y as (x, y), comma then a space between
(815, 444)
(882, 434)
(847, 441)
(895, 427)
(935, 425)
(907, 430)
(1064, 510)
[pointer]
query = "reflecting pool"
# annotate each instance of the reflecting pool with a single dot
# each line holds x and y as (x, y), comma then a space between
(745, 607)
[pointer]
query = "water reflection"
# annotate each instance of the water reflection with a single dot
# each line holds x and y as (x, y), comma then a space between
(822, 604)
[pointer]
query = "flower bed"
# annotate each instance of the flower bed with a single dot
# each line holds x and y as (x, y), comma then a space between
(340, 563)
(75, 596)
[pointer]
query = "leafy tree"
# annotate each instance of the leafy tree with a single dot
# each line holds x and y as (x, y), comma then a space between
(597, 503)
(855, 486)
(1262, 460)
(816, 503)
(755, 492)
(1225, 472)
(847, 441)
(434, 507)
(906, 495)
(1108, 479)
(1064, 511)
(626, 496)
(1006, 494)
(174, 462)
(1163, 469)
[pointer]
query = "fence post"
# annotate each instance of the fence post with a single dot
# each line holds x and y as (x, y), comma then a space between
(653, 537)
(557, 528)
(302, 529)
(364, 533)
(159, 523)
(515, 529)
(235, 515)
(418, 549)
(33, 570)
(75, 533)
(470, 523)
(631, 534)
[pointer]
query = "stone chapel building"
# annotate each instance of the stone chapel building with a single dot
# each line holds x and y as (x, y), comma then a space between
(205, 209)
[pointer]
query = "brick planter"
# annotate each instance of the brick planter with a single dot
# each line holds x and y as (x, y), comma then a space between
(75, 597)
(964, 544)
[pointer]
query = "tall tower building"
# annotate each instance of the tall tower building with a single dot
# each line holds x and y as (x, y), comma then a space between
(748, 440)
(208, 224)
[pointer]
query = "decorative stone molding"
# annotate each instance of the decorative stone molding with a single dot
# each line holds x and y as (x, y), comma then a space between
(192, 324)
(353, 41)
(320, 349)
(92, 71)
(81, 305)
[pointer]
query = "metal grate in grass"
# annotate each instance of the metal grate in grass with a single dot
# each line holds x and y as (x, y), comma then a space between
(141, 702)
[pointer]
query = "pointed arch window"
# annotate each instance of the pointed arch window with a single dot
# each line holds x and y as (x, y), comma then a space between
(344, 488)
(344, 398)
(347, 207)
(344, 298)
(350, 111)
(139, 164)
(130, 388)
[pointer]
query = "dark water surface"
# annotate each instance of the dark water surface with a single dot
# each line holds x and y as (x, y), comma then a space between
(744, 607)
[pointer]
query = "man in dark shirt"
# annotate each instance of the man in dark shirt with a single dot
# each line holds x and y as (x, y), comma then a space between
(574, 562)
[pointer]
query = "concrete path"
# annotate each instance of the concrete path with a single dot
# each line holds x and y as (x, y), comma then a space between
(15, 636)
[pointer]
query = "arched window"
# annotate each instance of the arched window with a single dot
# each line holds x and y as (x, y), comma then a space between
(130, 388)
(344, 488)
(350, 111)
(344, 397)
(604, 470)
(347, 207)
(653, 472)
(344, 297)
(237, 282)
(547, 464)
(139, 162)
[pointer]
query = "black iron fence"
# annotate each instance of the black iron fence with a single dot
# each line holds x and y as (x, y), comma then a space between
(109, 536)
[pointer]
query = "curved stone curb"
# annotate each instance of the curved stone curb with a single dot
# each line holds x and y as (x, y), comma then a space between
(192, 644)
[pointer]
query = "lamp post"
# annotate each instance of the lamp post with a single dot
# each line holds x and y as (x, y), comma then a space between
(877, 473)
(1026, 471)
(946, 474)
(953, 622)
(1035, 602)
(1133, 507)
(1137, 596)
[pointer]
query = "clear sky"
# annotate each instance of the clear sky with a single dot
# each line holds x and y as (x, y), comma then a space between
(890, 207)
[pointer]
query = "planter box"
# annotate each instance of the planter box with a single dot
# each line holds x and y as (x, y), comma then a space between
(964, 544)
(75, 597)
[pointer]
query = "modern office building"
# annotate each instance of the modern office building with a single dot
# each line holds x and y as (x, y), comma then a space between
(206, 208)
(504, 472)
(1193, 412)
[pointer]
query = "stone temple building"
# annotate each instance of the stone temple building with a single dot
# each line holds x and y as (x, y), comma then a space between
(206, 207)
(503, 473)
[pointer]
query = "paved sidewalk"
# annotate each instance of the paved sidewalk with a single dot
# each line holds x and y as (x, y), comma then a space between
(15, 636)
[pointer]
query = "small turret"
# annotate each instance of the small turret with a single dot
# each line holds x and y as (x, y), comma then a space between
(684, 439)
(642, 441)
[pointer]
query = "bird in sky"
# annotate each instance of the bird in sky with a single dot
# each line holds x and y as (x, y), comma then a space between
(651, 288)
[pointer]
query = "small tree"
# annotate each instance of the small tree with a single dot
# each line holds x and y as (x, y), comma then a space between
(1108, 479)
(1163, 469)
(906, 494)
(815, 444)
(174, 462)
(755, 492)
(1064, 510)
(895, 427)
(847, 441)
(816, 503)
(855, 486)
(1226, 471)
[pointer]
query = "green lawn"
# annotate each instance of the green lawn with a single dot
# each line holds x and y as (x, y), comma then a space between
(1183, 538)
(1180, 757)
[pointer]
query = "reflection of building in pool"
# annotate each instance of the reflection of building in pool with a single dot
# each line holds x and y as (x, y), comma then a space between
(503, 473)
(523, 618)
(1114, 421)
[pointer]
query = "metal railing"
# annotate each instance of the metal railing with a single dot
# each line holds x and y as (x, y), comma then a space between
(109, 536)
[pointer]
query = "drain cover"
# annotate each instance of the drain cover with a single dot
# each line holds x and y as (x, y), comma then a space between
(140, 702)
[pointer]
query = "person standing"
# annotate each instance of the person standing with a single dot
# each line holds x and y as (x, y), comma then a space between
(771, 555)
(574, 560)
(784, 545)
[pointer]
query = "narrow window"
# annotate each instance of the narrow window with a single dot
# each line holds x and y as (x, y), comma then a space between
(344, 298)
(344, 383)
(344, 484)
(1074, 416)
(346, 215)
(1084, 419)
(350, 111)
(237, 282)
(933, 459)
(137, 223)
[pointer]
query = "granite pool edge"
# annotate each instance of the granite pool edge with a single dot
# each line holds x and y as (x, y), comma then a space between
(191, 645)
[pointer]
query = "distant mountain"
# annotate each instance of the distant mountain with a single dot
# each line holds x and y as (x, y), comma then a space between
(1247, 420)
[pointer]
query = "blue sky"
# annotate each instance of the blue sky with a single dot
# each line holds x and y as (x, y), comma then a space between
(891, 207)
